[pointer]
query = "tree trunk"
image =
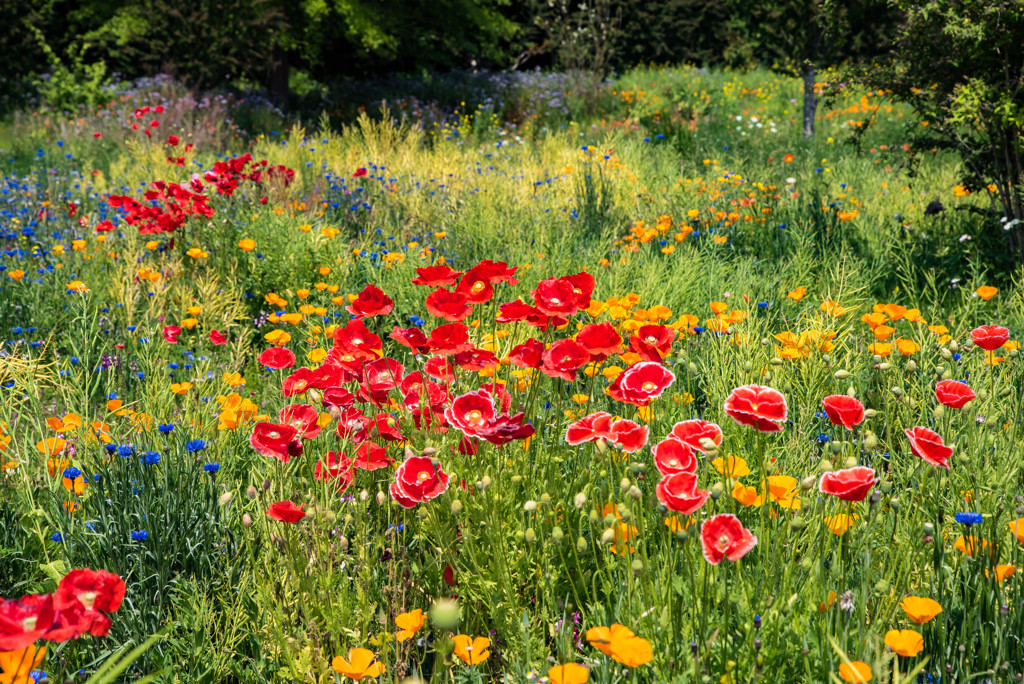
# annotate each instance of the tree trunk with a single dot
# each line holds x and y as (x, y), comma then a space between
(810, 99)
(278, 71)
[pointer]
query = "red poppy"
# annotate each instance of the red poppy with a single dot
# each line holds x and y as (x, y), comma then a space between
(435, 276)
(513, 312)
(629, 436)
(356, 341)
(504, 429)
(449, 339)
(723, 536)
(451, 306)
(590, 428)
(413, 338)
(388, 427)
(843, 410)
(173, 140)
(286, 512)
(276, 440)
(418, 479)
(954, 394)
(641, 383)
(277, 358)
(555, 297)
(658, 336)
(476, 285)
(303, 418)
(338, 396)
(171, 333)
(563, 358)
(990, 337)
(379, 378)
(440, 369)
(24, 620)
(600, 339)
(852, 484)
(475, 359)
(756, 406)
(471, 412)
(360, 173)
(370, 456)
(335, 467)
(104, 227)
(679, 493)
(582, 287)
(371, 302)
(335, 374)
(929, 447)
(74, 620)
(497, 272)
(217, 337)
(672, 456)
(353, 425)
(93, 589)
(692, 432)
(529, 354)
(298, 382)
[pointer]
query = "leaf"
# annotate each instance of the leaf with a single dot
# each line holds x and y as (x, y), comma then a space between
(55, 570)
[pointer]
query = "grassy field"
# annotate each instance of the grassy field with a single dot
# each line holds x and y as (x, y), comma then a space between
(417, 397)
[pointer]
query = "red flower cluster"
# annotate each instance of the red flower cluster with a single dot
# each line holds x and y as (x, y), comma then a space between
(475, 415)
(756, 406)
(179, 204)
(624, 434)
(77, 607)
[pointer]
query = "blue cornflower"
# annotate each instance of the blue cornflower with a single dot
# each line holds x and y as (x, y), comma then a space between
(165, 427)
(125, 450)
(151, 458)
(194, 445)
(57, 537)
(211, 467)
(72, 473)
(140, 535)
(969, 518)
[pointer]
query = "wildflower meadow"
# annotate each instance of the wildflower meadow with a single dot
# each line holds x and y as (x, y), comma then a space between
(614, 381)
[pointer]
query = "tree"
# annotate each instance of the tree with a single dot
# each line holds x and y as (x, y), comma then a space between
(802, 37)
(960, 65)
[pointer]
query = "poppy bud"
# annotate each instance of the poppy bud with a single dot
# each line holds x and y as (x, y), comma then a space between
(608, 537)
(681, 535)
(637, 566)
(876, 359)
(545, 499)
(938, 412)
(445, 613)
(609, 519)
(884, 366)
(251, 492)
(314, 396)
(851, 391)
(990, 422)
(912, 366)
(885, 487)
(624, 485)
(768, 376)
(692, 367)
(806, 564)
(428, 451)
(851, 462)
(579, 500)
(947, 375)
(835, 447)
(485, 482)
(716, 491)
(876, 496)
(530, 506)
(841, 374)
(224, 499)
(381, 498)
(807, 484)
(747, 366)
(894, 504)
(330, 516)
(954, 345)
(775, 361)
(594, 517)
(247, 520)
(516, 479)
(928, 528)
(870, 440)
(456, 507)
(364, 495)
(557, 534)
(266, 485)
(601, 445)
(409, 453)
(635, 493)
(1005, 392)
(824, 466)
(708, 444)
(530, 536)
(945, 354)
(581, 545)
(870, 413)
(520, 535)
(897, 391)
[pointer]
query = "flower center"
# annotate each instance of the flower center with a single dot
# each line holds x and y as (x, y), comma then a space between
(649, 386)
(556, 301)
(423, 475)
(474, 417)
(29, 623)
(88, 599)
(723, 541)
(478, 287)
(651, 339)
(274, 434)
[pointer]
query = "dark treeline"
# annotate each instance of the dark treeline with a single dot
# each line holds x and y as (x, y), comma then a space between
(274, 43)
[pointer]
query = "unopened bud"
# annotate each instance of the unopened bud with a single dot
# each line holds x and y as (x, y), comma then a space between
(224, 499)
(557, 534)
(635, 493)
(807, 484)
(841, 374)
(608, 537)
(530, 536)
(456, 507)
(247, 520)
(251, 492)
(624, 485)
(530, 506)
(579, 499)
(381, 498)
